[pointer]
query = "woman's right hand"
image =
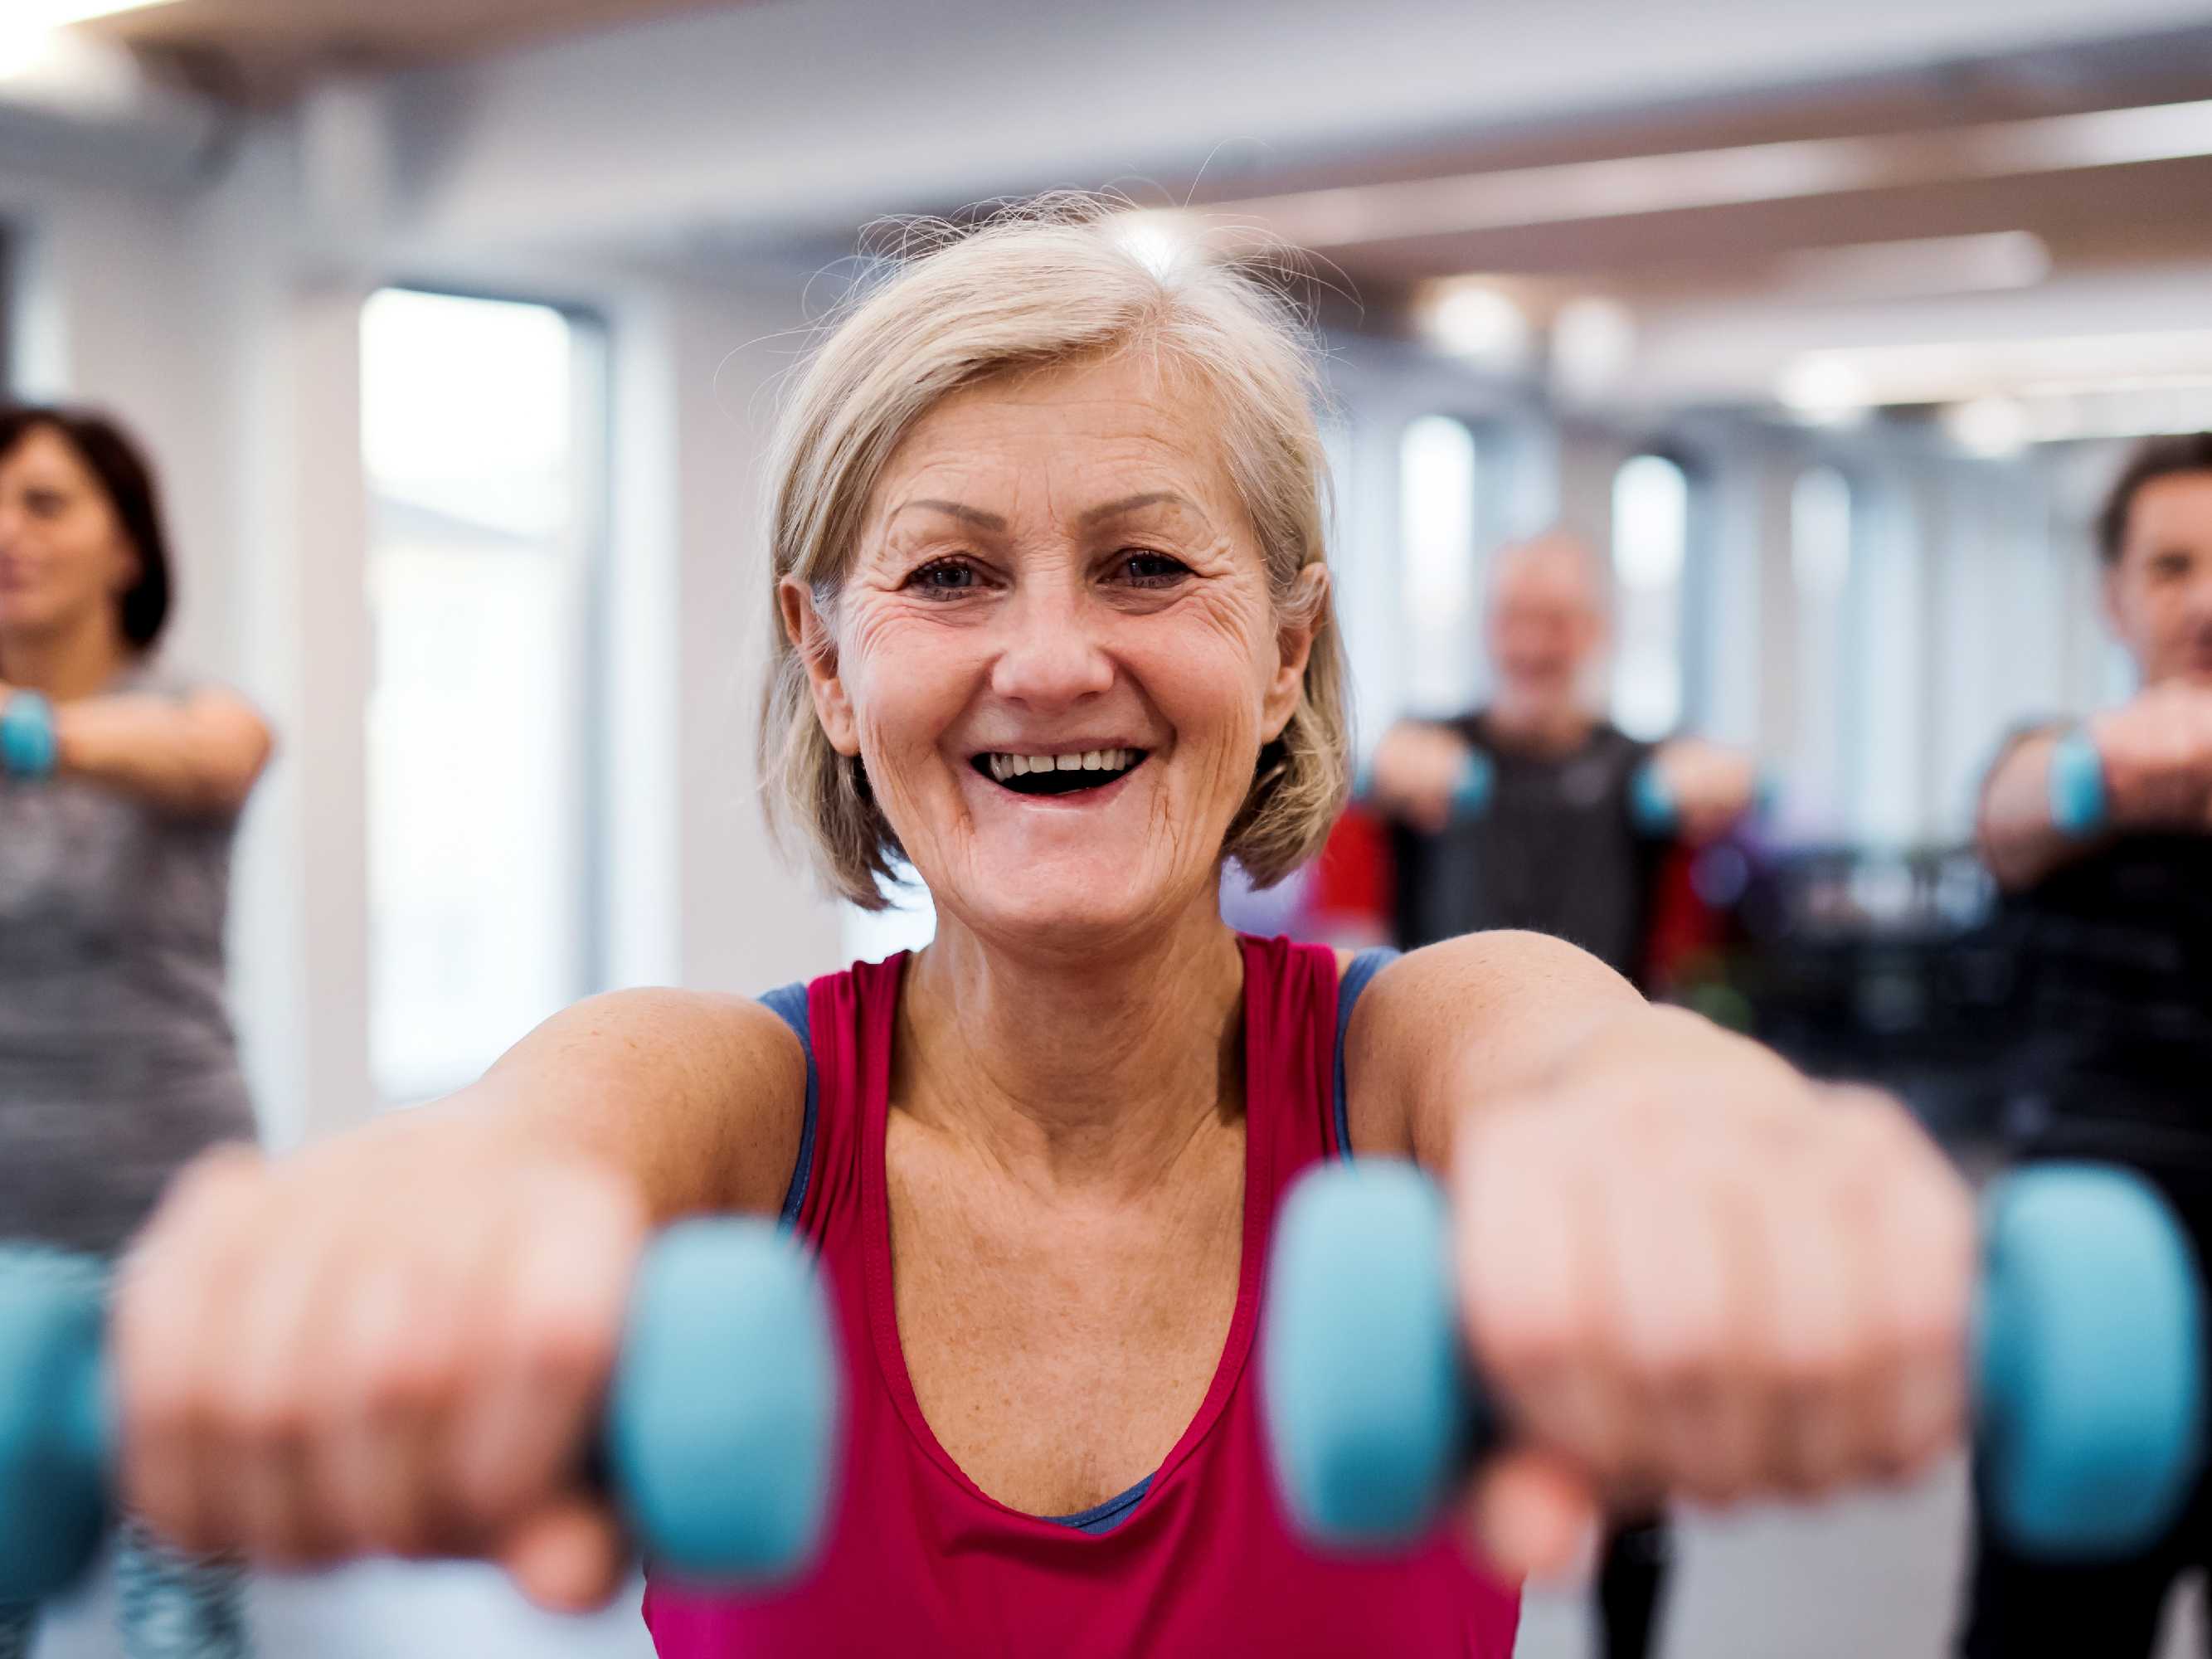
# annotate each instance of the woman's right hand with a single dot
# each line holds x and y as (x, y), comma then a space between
(398, 1344)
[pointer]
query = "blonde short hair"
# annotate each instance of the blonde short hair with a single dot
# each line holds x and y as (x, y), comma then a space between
(1037, 286)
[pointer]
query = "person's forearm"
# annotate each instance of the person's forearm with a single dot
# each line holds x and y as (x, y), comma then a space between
(1639, 1042)
(2017, 838)
(200, 757)
(1461, 1026)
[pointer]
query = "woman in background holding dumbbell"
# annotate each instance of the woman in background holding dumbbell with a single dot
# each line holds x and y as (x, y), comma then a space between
(2102, 832)
(120, 783)
(1055, 625)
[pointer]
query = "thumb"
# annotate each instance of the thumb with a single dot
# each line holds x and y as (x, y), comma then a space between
(571, 1557)
(1533, 1516)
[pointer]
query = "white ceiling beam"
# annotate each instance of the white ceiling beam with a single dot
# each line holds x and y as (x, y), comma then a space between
(1582, 191)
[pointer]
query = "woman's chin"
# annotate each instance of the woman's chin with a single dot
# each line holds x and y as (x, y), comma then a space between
(1070, 909)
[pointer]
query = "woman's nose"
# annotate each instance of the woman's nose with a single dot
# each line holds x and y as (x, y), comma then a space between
(1051, 657)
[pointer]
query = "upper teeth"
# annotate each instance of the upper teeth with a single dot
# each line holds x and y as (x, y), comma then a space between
(1090, 760)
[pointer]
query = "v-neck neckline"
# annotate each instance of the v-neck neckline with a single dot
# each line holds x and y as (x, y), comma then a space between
(882, 1302)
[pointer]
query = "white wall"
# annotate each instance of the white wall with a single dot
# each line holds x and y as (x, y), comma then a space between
(747, 923)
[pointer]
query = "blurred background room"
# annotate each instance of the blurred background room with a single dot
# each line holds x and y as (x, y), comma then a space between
(455, 327)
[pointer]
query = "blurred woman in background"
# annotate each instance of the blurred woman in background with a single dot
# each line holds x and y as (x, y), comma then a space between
(120, 785)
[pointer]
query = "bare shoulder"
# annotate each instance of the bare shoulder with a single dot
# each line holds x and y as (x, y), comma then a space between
(1486, 1016)
(700, 1095)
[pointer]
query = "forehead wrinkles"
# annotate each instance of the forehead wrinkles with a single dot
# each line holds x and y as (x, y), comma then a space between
(1147, 417)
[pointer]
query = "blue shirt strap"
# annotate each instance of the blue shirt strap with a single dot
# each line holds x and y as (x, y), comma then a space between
(1364, 968)
(789, 1004)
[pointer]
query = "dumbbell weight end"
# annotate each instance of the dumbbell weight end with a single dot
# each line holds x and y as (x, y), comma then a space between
(53, 1430)
(1372, 1410)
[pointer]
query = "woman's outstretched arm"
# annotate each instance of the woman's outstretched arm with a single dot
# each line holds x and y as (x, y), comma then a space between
(393, 1341)
(1685, 1267)
(200, 754)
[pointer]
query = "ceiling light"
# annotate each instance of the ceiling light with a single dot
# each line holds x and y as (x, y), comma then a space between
(1592, 347)
(1158, 241)
(1993, 426)
(1924, 265)
(40, 55)
(73, 74)
(1825, 385)
(58, 13)
(1472, 318)
(1959, 371)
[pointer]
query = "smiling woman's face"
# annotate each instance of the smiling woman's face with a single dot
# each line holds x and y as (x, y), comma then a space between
(1055, 652)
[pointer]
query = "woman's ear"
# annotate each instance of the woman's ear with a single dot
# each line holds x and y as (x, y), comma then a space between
(126, 566)
(804, 626)
(1300, 618)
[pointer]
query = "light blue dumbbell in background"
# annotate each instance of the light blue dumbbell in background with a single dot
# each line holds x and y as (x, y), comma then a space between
(2079, 807)
(1472, 789)
(2087, 1360)
(1656, 813)
(719, 1438)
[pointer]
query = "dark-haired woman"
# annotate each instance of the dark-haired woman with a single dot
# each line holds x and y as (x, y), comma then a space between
(120, 783)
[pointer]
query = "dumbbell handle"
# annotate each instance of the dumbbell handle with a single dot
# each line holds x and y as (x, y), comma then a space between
(717, 1440)
(2087, 1364)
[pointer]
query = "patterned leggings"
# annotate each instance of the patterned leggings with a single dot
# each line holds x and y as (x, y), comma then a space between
(174, 1605)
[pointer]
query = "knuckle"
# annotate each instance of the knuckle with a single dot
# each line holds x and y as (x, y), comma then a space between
(270, 1421)
(560, 1340)
(399, 1391)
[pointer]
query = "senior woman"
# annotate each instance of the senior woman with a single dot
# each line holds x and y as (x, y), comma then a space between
(120, 784)
(1055, 626)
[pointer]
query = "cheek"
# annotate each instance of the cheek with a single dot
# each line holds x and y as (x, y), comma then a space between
(907, 679)
(1212, 680)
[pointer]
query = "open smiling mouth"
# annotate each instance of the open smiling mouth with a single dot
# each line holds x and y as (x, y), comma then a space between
(1059, 774)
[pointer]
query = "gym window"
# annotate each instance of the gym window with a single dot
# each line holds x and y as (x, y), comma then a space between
(479, 423)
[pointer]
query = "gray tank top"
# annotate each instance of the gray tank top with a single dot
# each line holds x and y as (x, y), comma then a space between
(117, 1061)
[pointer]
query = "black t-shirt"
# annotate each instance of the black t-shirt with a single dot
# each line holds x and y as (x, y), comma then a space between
(2116, 960)
(1556, 851)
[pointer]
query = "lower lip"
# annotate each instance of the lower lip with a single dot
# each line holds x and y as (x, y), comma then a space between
(1097, 795)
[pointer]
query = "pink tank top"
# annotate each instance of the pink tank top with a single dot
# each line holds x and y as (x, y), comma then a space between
(921, 1564)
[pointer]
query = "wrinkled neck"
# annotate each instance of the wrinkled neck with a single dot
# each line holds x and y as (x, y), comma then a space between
(1093, 1070)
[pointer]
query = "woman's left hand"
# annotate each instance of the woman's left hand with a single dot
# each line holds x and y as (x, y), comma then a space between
(1687, 1270)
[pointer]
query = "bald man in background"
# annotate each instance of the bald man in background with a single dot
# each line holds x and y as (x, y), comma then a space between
(1559, 845)
(1556, 842)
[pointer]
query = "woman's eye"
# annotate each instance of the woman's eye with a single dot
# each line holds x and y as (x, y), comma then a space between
(1154, 570)
(944, 578)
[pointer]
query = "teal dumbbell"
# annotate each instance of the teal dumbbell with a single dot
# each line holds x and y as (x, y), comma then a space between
(1475, 787)
(719, 1438)
(2087, 1361)
(2080, 804)
(1656, 815)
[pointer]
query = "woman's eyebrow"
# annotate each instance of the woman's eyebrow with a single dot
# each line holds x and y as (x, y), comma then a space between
(955, 510)
(1131, 503)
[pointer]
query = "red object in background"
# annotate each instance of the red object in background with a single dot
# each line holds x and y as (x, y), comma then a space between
(1352, 885)
(1681, 926)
